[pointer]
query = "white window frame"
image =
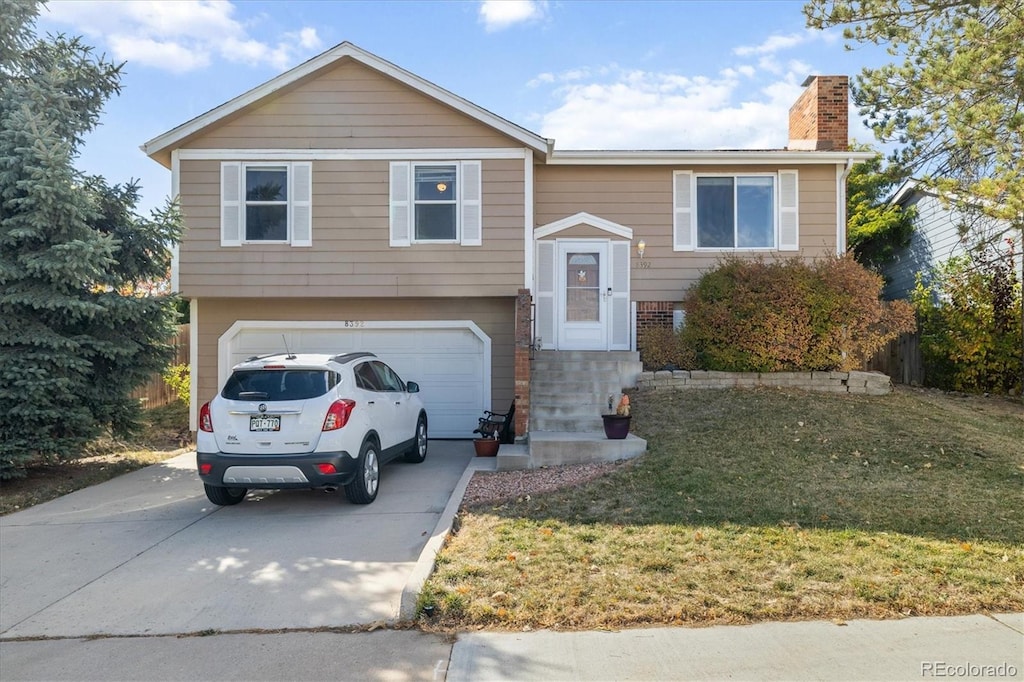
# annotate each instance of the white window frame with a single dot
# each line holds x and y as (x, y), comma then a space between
(414, 202)
(245, 203)
(734, 176)
(468, 203)
(299, 204)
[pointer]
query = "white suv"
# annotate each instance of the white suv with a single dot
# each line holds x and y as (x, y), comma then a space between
(308, 421)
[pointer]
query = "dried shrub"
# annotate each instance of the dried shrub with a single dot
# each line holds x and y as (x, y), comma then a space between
(789, 315)
(662, 348)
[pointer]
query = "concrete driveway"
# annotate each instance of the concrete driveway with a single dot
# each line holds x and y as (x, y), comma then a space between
(147, 554)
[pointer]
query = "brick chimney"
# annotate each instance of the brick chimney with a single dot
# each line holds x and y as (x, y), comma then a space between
(819, 118)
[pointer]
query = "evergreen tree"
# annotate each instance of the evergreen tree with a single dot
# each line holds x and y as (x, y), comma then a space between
(955, 102)
(75, 338)
(875, 229)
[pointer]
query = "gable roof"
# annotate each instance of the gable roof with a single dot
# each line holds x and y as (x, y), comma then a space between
(159, 147)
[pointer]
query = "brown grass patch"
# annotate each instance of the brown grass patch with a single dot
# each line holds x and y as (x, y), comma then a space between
(760, 505)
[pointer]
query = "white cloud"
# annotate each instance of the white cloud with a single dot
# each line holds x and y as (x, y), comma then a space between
(170, 56)
(774, 44)
(778, 43)
(631, 109)
(498, 15)
(179, 36)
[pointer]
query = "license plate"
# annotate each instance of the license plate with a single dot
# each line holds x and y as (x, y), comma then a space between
(265, 423)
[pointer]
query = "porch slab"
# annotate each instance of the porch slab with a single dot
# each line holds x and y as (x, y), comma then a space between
(557, 448)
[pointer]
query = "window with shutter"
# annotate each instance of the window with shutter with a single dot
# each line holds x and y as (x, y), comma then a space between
(266, 203)
(436, 203)
(755, 211)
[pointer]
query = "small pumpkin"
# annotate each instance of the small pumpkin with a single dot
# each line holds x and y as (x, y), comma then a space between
(623, 408)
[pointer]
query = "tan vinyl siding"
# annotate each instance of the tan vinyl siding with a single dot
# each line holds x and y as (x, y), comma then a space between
(495, 316)
(350, 255)
(349, 106)
(640, 198)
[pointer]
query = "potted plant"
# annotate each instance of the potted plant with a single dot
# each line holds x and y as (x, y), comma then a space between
(490, 438)
(616, 425)
(487, 445)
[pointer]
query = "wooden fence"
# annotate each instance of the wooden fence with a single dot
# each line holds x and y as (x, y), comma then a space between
(156, 393)
(901, 360)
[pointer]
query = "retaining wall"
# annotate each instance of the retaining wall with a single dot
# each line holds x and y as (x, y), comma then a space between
(869, 383)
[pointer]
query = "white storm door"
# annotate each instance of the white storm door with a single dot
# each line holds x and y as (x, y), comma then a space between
(583, 292)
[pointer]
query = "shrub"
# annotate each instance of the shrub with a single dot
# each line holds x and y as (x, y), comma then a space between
(971, 338)
(759, 316)
(179, 379)
(661, 348)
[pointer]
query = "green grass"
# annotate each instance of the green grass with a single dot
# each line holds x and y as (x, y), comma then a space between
(761, 504)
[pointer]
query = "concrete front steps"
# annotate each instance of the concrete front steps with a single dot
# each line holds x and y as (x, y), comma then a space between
(569, 391)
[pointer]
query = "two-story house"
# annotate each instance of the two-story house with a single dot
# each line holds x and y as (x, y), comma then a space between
(349, 204)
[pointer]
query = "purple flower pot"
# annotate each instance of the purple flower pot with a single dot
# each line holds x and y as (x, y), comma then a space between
(616, 427)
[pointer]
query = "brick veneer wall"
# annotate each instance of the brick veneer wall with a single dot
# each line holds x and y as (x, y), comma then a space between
(818, 120)
(521, 372)
(870, 383)
(653, 314)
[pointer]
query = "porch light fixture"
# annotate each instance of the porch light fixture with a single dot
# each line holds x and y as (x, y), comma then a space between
(641, 246)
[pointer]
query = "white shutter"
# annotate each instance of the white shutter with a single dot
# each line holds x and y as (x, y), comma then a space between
(545, 295)
(231, 204)
(789, 219)
(619, 330)
(683, 211)
(300, 202)
(401, 205)
(471, 209)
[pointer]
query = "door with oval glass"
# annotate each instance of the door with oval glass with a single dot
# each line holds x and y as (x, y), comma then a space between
(584, 290)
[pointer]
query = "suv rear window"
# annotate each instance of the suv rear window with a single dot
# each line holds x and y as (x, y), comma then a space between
(291, 384)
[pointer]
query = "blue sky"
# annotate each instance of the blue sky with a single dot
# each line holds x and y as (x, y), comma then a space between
(688, 74)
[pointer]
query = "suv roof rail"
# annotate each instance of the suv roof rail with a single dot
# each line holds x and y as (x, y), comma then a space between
(347, 357)
(262, 357)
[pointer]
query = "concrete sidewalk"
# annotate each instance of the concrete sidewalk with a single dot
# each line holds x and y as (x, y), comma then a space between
(967, 647)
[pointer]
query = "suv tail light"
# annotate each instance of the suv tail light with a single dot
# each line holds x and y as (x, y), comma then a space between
(338, 414)
(205, 420)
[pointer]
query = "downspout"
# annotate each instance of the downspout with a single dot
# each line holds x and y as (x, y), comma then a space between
(841, 207)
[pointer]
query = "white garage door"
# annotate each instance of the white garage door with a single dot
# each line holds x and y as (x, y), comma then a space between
(450, 360)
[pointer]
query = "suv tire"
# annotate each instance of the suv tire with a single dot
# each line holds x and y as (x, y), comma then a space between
(224, 496)
(363, 488)
(418, 452)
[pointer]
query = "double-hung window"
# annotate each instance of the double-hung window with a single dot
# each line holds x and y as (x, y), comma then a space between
(266, 203)
(437, 202)
(755, 211)
(434, 203)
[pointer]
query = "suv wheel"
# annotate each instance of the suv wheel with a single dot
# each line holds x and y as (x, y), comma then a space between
(363, 488)
(418, 452)
(224, 496)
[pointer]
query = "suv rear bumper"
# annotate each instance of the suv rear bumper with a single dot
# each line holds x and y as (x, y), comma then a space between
(274, 472)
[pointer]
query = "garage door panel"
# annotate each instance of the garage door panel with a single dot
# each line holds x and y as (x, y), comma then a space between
(449, 364)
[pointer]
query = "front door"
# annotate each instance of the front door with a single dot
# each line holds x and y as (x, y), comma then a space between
(584, 290)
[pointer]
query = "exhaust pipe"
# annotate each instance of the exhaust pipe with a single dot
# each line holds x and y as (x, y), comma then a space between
(330, 489)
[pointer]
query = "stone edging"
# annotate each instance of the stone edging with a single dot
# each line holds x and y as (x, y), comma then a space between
(869, 383)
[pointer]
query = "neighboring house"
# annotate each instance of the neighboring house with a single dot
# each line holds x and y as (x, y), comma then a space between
(936, 238)
(350, 205)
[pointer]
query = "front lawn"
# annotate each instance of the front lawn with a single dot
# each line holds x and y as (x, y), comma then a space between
(760, 505)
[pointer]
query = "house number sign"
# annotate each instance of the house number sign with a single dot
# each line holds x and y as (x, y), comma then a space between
(643, 265)
(354, 323)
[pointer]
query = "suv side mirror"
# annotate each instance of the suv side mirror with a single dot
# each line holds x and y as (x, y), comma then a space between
(412, 387)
